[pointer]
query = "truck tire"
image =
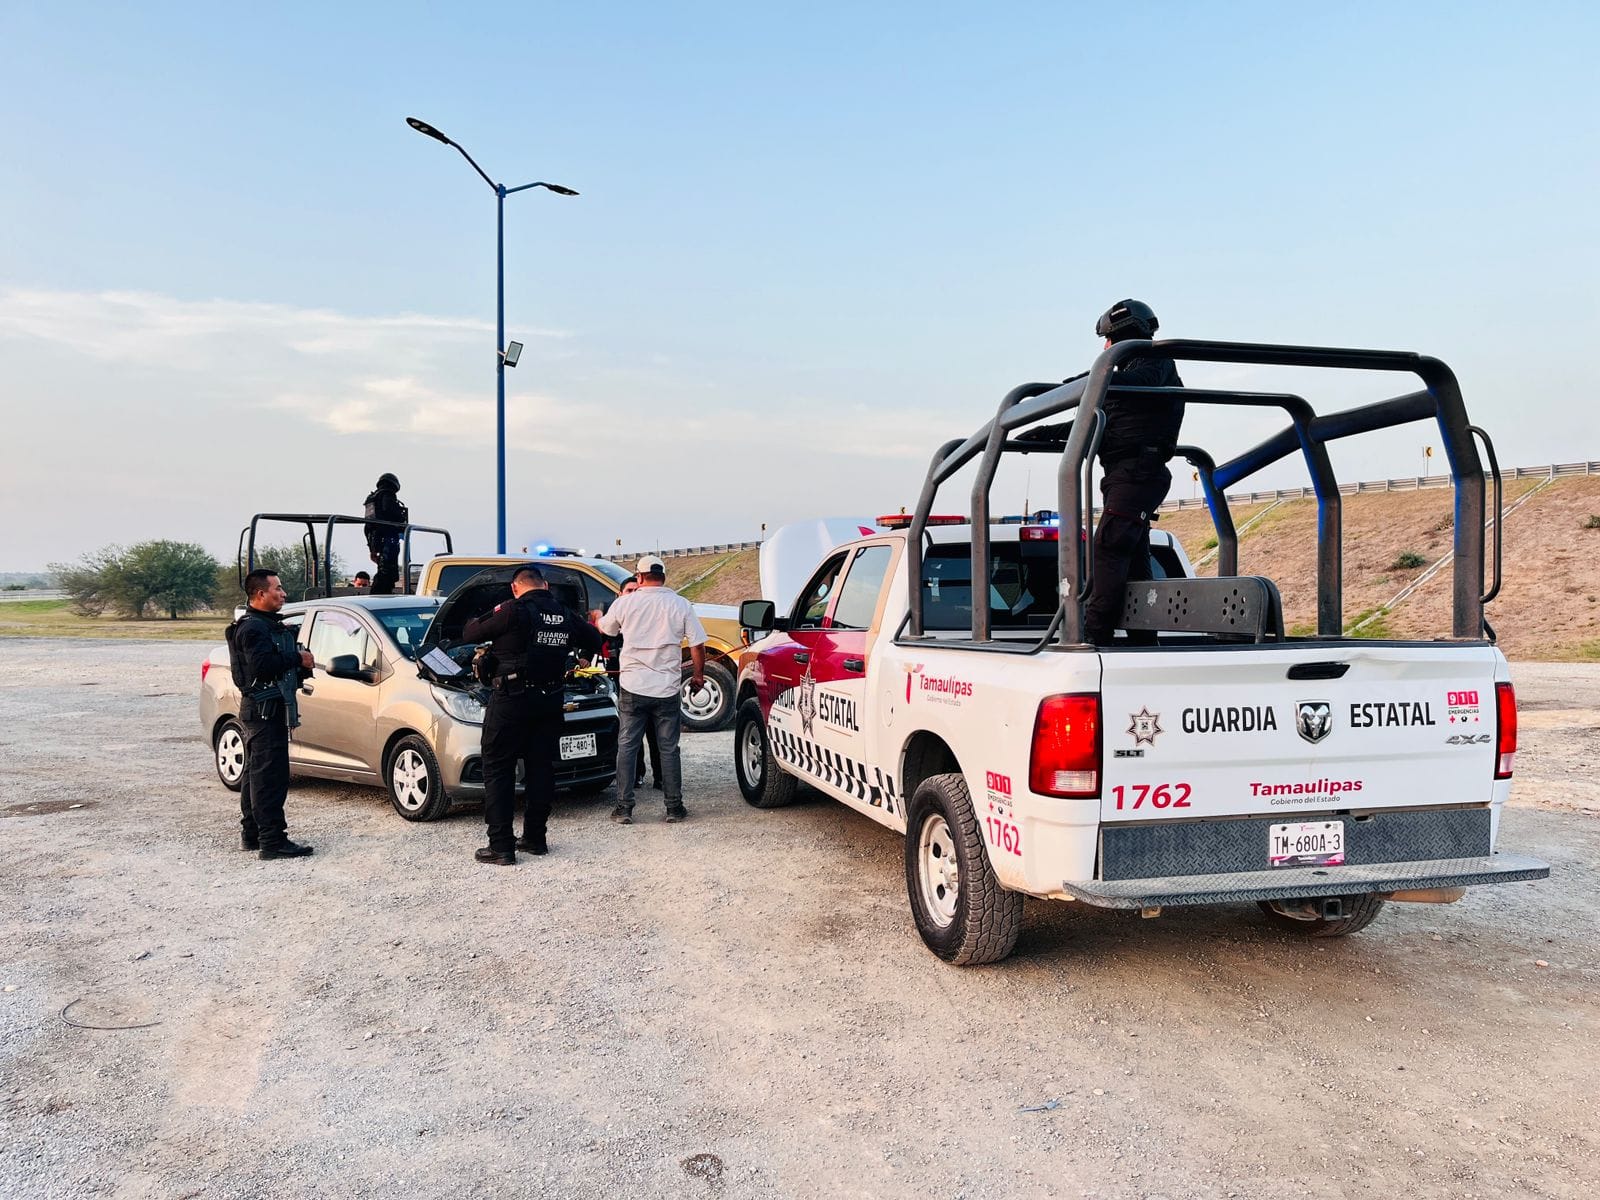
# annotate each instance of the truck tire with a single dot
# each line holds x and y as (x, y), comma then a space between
(1360, 911)
(411, 777)
(961, 911)
(762, 782)
(712, 707)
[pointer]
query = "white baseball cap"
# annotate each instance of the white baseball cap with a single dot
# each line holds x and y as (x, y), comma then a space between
(650, 565)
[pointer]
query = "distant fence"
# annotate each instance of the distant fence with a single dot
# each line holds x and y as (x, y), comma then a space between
(1411, 483)
(684, 551)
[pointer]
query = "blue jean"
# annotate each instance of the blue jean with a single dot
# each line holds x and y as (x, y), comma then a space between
(665, 714)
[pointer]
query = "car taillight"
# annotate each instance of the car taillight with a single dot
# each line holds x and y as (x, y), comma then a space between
(204, 667)
(1505, 738)
(1065, 760)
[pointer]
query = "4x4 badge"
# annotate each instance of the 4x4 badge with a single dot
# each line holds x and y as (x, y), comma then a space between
(1145, 725)
(1313, 719)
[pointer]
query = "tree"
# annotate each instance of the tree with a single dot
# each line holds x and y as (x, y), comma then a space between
(287, 560)
(178, 577)
(91, 581)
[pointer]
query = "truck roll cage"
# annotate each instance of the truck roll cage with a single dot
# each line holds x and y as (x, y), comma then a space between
(319, 570)
(1307, 432)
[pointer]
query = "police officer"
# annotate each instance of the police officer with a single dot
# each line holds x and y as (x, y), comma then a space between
(1141, 434)
(383, 541)
(532, 635)
(267, 668)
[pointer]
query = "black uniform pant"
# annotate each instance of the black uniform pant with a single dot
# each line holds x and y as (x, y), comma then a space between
(388, 563)
(1131, 491)
(524, 727)
(266, 780)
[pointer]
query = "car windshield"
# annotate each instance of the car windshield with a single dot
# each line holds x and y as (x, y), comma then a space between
(617, 575)
(405, 626)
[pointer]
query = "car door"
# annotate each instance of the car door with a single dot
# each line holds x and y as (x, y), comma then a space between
(788, 681)
(338, 717)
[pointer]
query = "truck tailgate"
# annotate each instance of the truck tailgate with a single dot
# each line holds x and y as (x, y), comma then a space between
(1306, 729)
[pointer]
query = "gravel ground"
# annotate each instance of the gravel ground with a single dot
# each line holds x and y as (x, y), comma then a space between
(737, 1006)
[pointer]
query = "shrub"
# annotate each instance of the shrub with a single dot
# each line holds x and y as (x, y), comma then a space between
(175, 577)
(1209, 544)
(1593, 522)
(1408, 560)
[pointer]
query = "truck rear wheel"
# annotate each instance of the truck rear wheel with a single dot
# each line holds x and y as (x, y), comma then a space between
(962, 912)
(711, 707)
(1298, 916)
(762, 782)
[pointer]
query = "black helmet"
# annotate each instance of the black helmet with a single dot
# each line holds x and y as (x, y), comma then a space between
(387, 480)
(1127, 319)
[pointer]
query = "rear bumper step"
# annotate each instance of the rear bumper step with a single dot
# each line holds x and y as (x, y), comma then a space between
(1241, 886)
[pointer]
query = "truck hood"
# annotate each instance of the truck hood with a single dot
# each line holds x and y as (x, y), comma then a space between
(790, 555)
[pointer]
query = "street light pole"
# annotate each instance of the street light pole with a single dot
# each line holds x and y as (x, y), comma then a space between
(500, 192)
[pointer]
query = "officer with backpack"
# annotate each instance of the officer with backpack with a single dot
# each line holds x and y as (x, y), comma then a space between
(526, 664)
(383, 541)
(267, 667)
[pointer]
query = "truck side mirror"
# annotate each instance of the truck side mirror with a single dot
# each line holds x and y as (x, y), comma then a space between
(758, 615)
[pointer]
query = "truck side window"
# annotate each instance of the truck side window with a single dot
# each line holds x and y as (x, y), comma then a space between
(813, 603)
(858, 595)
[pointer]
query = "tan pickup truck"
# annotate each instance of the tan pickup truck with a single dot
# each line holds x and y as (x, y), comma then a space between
(585, 583)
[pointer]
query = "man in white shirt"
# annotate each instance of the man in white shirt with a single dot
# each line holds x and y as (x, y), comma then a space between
(654, 623)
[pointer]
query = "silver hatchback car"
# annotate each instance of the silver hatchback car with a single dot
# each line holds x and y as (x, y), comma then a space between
(372, 713)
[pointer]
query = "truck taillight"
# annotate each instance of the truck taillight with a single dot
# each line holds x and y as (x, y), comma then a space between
(205, 666)
(1065, 760)
(1505, 738)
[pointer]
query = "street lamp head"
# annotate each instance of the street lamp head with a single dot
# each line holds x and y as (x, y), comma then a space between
(424, 127)
(557, 189)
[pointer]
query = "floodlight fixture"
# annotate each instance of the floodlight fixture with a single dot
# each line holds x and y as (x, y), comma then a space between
(513, 351)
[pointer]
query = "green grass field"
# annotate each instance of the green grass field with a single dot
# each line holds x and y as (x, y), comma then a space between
(55, 618)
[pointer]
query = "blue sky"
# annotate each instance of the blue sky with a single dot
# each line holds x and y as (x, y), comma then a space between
(811, 245)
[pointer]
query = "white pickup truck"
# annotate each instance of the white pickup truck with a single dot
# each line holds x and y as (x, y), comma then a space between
(1318, 776)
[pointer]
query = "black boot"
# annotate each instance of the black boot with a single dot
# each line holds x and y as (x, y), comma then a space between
(498, 858)
(285, 849)
(249, 841)
(533, 843)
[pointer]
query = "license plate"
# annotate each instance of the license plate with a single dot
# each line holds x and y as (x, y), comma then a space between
(1306, 844)
(577, 745)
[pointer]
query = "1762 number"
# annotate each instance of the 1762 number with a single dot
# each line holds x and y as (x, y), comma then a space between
(1160, 795)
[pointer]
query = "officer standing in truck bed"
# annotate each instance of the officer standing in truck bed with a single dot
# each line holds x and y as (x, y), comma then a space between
(532, 636)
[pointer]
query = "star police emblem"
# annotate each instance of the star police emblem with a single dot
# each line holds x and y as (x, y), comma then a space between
(1145, 725)
(807, 706)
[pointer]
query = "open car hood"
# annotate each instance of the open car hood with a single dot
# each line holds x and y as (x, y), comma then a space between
(475, 598)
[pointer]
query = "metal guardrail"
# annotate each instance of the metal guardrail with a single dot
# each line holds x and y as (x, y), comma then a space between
(1402, 484)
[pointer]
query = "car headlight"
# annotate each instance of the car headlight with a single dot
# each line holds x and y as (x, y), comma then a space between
(463, 706)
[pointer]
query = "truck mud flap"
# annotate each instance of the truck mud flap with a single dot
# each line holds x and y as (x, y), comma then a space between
(1244, 886)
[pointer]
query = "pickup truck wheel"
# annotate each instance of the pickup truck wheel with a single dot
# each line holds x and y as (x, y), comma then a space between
(1360, 911)
(762, 782)
(962, 912)
(229, 749)
(711, 707)
(412, 776)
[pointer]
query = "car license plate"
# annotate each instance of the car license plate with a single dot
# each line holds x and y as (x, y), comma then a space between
(580, 745)
(1306, 844)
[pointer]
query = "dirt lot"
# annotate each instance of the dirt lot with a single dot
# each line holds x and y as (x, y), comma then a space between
(737, 1006)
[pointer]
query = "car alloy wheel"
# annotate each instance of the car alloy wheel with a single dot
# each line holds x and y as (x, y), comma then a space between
(409, 780)
(230, 756)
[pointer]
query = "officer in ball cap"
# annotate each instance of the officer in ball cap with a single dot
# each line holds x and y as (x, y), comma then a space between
(655, 623)
(531, 634)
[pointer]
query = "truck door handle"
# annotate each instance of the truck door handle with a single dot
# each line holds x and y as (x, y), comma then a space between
(854, 664)
(802, 656)
(1318, 670)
